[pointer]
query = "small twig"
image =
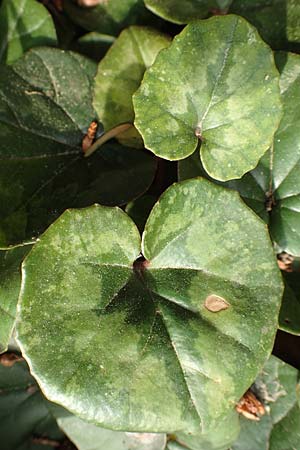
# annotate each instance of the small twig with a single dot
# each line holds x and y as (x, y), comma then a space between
(46, 441)
(106, 137)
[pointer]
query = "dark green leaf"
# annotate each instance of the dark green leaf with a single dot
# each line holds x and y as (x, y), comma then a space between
(120, 74)
(109, 17)
(289, 318)
(140, 349)
(45, 110)
(10, 283)
(217, 83)
(276, 20)
(279, 429)
(139, 210)
(24, 24)
(184, 11)
(24, 412)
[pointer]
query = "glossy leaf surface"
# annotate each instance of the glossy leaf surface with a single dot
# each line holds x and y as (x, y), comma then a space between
(109, 17)
(45, 111)
(10, 283)
(279, 428)
(121, 71)
(24, 24)
(184, 11)
(230, 101)
(272, 189)
(87, 436)
(80, 296)
(24, 412)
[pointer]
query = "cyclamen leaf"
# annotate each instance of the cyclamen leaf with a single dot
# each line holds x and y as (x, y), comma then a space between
(120, 73)
(272, 189)
(24, 24)
(10, 283)
(24, 412)
(184, 11)
(109, 17)
(276, 20)
(217, 82)
(87, 436)
(289, 317)
(84, 294)
(45, 111)
(276, 387)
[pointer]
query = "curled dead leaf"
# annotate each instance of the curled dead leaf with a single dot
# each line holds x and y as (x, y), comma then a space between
(250, 407)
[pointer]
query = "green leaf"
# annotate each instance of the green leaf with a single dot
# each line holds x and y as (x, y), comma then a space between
(45, 110)
(220, 438)
(272, 189)
(230, 101)
(10, 283)
(276, 387)
(94, 45)
(120, 74)
(289, 317)
(184, 11)
(109, 17)
(24, 413)
(276, 20)
(87, 436)
(24, 24)
(85, 294)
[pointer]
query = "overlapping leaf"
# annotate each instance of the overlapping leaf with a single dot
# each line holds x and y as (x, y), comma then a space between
(24, 24)
(26, 420)
(10, 283)
(216, 83)
(45, 110)
(274, 185)
(277, 387)
(120, 74)
(184, 11)
(289, 318)
(143, 349)
(109, 17)
(87, 436)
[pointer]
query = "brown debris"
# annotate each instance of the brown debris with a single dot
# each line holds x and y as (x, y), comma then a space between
(89, 137)
(90, 3)
(8, 359)
(215, 303)
(285, 262)
(250, 407)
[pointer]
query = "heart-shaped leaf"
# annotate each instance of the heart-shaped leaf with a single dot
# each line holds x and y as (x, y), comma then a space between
(278, 429)
(24, 24)
(45, 110)
(184, 11)
(272, 189)
(216, 83)
(158, 329)
(10, 283)
(87, 436)
(109, 17)
(121, 71)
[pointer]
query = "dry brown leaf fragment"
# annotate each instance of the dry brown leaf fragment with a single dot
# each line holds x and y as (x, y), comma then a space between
(90, 136)
(285, 262)
(215, 303)
(250, 407)
(9, 359)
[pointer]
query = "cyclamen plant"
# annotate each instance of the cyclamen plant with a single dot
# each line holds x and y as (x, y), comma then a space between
(146, 196)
